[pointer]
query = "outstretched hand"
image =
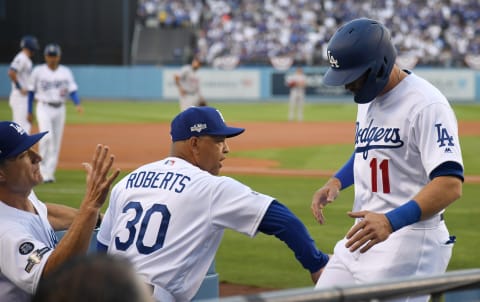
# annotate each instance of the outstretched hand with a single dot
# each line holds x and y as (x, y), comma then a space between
(372, 229)
(98, 181)
(323, 196)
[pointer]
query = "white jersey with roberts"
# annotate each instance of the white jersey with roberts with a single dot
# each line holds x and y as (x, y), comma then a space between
(22, 65)
(26, 242)
(168, 218)
(52, 85)
(401, 137)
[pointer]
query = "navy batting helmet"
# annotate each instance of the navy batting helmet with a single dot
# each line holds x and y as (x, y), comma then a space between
(52, 50)
(361, 47)
(29, 42)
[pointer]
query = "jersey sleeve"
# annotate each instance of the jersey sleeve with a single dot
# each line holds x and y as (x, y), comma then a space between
(238, 207)
(72, 85)
(23, 259)
(105, 232)
(17, 64)
(436, 134)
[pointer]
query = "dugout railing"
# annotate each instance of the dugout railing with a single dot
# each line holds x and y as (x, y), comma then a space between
(461, 286)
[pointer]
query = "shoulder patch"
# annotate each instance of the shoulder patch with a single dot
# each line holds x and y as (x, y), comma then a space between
(35, 258)
(26, 248)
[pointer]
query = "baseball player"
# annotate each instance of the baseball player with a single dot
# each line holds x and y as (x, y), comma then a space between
(188, 84)
(406, 167)
(296, 82)
(19, 71)
(50, 84)
(29, 248)
(168, 217)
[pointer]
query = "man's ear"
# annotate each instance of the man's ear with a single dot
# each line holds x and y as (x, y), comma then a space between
(193, 142)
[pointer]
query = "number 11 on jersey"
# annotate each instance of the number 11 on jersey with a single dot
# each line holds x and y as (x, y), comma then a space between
(385, 180)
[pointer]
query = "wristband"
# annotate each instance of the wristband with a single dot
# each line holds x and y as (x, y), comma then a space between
(404, 215)
(17, 84)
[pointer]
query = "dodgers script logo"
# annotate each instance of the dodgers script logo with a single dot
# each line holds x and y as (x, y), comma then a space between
(373, 137)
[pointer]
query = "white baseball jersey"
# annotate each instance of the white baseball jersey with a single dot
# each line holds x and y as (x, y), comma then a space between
(400, 138)
(52, 85)
(168, 218)
(27, 240)
(52, 88)
(22, 64)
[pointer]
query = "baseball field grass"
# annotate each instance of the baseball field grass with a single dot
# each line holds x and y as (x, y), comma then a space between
(265, 261)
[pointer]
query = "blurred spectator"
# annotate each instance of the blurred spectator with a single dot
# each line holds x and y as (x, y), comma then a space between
(94, 278)
(437, 32)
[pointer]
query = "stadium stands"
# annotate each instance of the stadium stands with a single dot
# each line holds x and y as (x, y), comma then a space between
(436, 33)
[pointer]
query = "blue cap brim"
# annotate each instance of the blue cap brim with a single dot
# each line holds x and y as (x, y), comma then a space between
(228, 132)
(26, 144)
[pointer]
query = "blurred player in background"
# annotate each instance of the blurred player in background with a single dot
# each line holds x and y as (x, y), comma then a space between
(296, 82)
(29, 247)
(19, 72)
(406, 168)
(188, 84)
(51, 84)
(168, 217)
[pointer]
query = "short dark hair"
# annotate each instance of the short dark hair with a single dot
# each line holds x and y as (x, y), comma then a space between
(94, 278)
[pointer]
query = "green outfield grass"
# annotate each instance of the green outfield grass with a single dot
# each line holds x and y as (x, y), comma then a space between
(264, 260)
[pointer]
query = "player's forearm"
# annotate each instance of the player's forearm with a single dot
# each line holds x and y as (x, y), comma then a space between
(438, 195)
(60, 216)
(13, 77)
(76, 240)
(283, 224)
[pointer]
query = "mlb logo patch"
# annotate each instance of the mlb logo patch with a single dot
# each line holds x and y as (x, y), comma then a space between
(169, 162)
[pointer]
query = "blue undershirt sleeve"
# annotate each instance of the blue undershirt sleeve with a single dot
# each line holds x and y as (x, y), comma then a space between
(31, 95)
(101, 248)
(345, 174)
(449, 168)
(283, 224)
(75, 98)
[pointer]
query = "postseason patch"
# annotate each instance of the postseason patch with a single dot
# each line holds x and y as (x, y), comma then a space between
(36, 258)
(26, 248)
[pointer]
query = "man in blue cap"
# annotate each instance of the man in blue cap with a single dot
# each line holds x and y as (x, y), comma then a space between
(29, 248)
(168, 217)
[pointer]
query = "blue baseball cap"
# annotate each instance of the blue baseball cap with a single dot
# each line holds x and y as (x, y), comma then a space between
(198, 121)
(14, 140)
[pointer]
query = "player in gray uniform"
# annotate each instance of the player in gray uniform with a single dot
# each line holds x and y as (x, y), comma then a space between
(29, 248)
(406, 167)
(297, 83)
(19, 72)
(168, 217)
(51, 84)
(188, 84)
